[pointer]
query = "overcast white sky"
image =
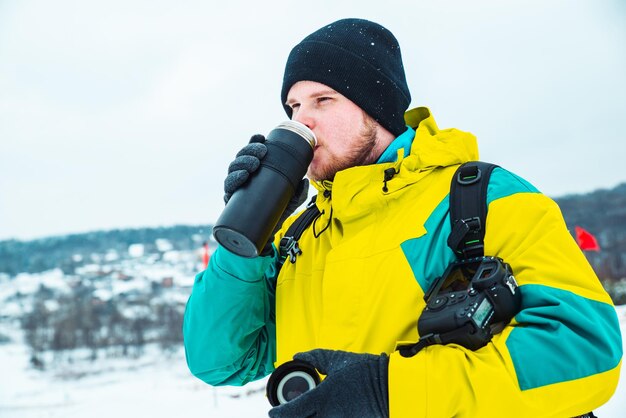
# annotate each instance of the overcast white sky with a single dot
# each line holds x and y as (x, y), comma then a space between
(126, 113)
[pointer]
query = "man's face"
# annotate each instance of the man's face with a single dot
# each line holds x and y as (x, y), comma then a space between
(346, 135)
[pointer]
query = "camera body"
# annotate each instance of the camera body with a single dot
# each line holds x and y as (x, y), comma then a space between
(468, 304)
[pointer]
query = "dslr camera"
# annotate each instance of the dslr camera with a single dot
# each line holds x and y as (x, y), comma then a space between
(473, 300)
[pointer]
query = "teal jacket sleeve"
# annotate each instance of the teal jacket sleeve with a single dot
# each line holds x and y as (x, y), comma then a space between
(229, 327)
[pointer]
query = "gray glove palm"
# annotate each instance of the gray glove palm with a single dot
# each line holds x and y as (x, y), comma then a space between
(355, 387)
(246, 162)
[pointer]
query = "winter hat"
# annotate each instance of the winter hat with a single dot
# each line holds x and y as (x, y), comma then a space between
(359, 59)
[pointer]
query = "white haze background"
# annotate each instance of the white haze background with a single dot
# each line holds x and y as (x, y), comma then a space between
(126, 113)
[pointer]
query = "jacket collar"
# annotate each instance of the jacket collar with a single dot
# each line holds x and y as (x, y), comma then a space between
(357, 188)
(431, 148)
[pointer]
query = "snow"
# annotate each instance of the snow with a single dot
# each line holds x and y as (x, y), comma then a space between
(25, 283)
(136, 250)
(163, 245)
(154, 385)
(111, 255)
(119, 287)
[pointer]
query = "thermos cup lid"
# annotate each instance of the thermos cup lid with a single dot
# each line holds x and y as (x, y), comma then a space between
(301, 129)
(290, 380)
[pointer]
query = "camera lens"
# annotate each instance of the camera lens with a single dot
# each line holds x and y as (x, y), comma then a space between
(291, 380)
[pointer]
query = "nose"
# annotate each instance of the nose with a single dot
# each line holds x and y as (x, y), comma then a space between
(304, 116)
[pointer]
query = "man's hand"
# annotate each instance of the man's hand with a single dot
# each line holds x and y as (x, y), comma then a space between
(246, 162)
(355, 386)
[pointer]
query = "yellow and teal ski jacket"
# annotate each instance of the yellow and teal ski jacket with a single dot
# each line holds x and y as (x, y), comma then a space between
(359, 285)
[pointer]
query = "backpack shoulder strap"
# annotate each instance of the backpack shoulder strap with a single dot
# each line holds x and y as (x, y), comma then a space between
(289, 243)
(468, 208)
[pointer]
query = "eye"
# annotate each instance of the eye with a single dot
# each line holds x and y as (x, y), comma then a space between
(294, 106)
(323, 99)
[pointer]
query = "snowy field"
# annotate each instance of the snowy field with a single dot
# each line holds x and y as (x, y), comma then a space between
(151, 386)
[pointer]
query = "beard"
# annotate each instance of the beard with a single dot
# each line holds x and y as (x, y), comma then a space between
(362, 152)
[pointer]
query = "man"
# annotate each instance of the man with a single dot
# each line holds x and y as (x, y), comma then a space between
(354, 294)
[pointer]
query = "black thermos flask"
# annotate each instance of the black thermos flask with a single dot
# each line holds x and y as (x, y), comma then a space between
(253, 210)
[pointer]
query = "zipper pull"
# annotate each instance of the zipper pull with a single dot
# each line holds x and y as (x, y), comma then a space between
(389, 173)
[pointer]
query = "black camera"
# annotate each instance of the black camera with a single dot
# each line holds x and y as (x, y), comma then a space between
(473, 300)
(290, 380)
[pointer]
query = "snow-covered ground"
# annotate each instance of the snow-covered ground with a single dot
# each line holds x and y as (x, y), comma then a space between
(153, 386)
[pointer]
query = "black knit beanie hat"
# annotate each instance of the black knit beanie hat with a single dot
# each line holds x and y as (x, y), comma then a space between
(359, 59)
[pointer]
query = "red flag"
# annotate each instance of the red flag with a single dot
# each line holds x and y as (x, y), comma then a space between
(586, 241)
(205, 255)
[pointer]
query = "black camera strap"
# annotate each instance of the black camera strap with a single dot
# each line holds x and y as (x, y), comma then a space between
(468, 208)
(468, 214)
(432, 339)
(288, 246)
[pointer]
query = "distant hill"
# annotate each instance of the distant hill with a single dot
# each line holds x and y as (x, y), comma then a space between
(67, 251)
(602, 212)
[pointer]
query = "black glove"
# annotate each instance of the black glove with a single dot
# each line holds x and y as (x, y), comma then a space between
(246, 162)
(355, 386)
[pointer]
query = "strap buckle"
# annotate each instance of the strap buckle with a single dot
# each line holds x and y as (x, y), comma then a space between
(469, 174)
(289, 246)
(461, 229)
(472, 224)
